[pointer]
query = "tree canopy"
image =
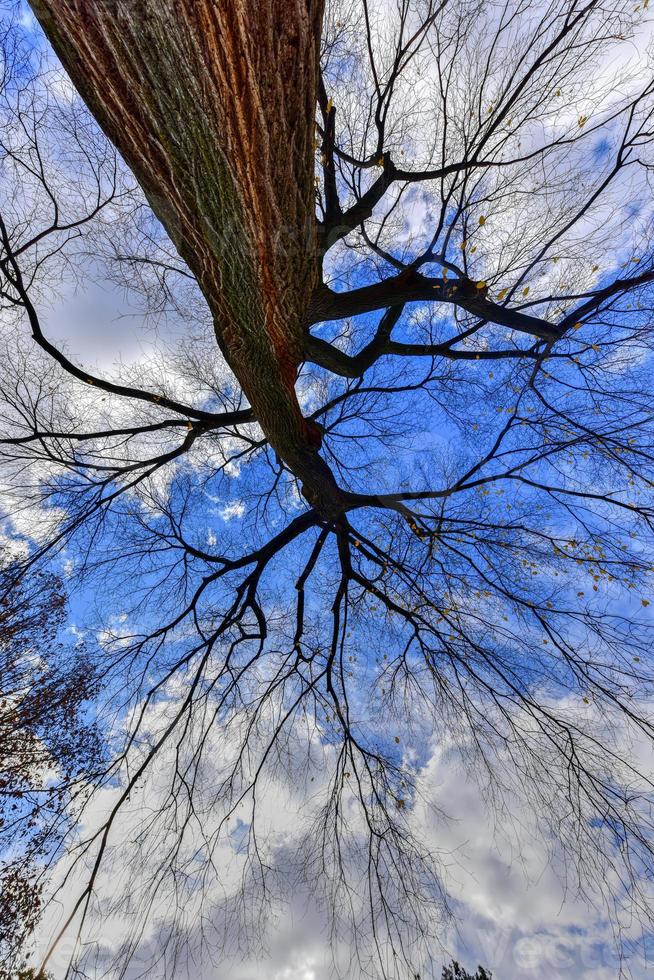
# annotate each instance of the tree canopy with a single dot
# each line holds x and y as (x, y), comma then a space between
(378, 483)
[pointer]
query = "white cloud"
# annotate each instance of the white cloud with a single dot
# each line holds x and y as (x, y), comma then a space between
(514, 913)
(234, 509)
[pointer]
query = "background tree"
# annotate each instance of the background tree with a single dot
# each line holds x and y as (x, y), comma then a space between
(46, 742)
(408, 248)
(456, 972)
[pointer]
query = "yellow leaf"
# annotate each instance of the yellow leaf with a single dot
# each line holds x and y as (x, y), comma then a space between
(582, 121)
(482, 219)
(330, 105)
(525, 291)
(645, 602)
(481, 284)
(502, 293)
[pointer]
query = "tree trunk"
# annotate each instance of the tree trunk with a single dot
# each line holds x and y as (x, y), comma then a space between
(212, 103)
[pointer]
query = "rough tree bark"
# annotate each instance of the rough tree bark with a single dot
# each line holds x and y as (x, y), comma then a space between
(212, 105)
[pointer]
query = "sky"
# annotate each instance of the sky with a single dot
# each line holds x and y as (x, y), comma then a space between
(514, 910)
(511, 911)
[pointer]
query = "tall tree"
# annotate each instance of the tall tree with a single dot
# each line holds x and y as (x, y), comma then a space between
(213, 108)
(413, 514)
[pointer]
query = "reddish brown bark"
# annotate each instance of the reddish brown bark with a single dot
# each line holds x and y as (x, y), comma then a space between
(212, 106)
